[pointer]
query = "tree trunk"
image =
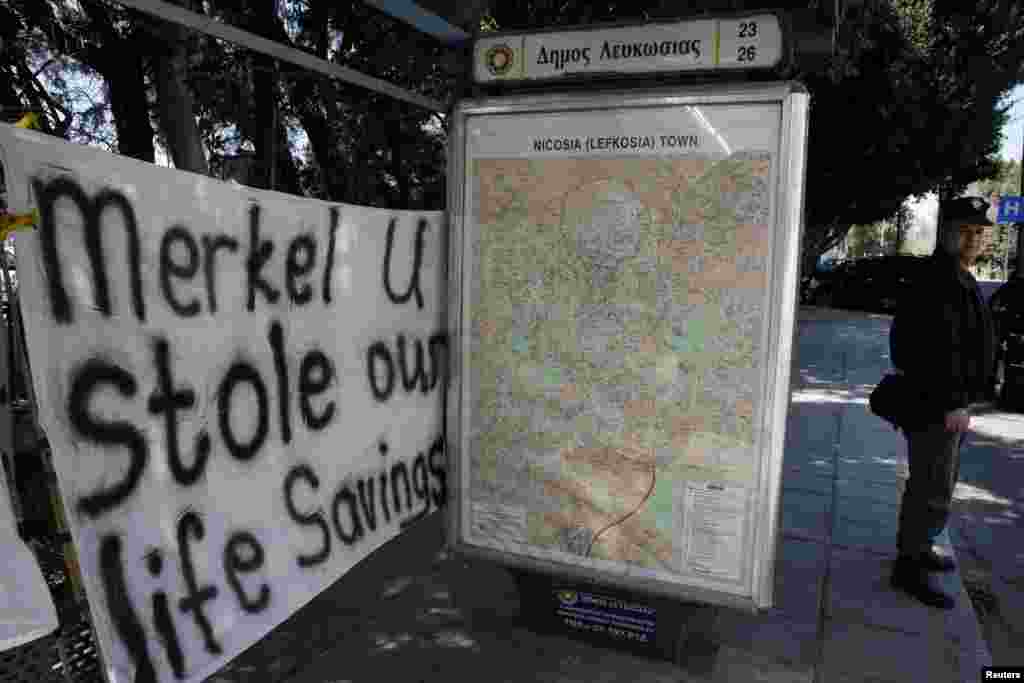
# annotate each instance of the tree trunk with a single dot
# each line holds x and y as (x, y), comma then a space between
(265, 119)
(120, 61)
(175, 104)
(129, 105)
(318, 128)
(900, 229)
(401, 174)
(275, 167)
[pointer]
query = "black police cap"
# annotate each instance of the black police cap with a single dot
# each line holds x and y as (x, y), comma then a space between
(972, 210)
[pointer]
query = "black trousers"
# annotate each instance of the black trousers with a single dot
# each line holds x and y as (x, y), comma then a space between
(934, 456)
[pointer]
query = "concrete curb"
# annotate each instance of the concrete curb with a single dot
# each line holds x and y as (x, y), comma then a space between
(974, 653)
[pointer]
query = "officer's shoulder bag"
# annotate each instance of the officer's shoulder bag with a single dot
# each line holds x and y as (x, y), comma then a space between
(891, 399)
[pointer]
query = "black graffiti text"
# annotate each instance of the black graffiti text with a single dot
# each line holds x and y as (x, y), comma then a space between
(187, 265)
(414, 288)
(398, 492)
(171, 398)
(405, 366)
(242, 555)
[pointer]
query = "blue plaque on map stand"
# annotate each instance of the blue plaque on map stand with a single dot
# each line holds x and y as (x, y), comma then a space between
(644, 625)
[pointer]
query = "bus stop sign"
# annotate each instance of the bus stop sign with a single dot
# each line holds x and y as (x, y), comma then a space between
(1011, 210)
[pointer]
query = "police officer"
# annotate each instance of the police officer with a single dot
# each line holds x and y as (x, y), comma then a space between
(942, 340)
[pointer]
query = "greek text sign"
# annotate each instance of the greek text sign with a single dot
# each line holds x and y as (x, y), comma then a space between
(706, 44)
(242, 390)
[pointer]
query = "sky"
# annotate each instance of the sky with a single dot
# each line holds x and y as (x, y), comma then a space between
(1014, 130)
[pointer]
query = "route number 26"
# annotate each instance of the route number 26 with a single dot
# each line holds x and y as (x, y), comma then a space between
(746, 53)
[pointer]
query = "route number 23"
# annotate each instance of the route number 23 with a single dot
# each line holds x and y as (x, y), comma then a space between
(748, 29)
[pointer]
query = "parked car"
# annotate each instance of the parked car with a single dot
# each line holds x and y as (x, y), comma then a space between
(1007, 304)
(816, 288)
(870, 284)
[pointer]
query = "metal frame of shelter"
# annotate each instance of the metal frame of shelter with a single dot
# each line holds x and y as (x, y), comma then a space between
(409, 12)
(73, 642)
(757, 578)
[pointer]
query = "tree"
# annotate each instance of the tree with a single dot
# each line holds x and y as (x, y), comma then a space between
(112, 45)
(908, 74)
(174, 98)
(1005, 181)
(132, 54)
(996, 255)
(922, 79)
(23, 44)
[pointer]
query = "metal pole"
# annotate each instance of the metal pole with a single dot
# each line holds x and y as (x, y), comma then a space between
(1006, 252)
(212, 27)
(1020, 226)
(273, 139)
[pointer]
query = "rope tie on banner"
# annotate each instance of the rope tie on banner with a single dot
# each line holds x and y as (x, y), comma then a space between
(29, 120)
(13, 222)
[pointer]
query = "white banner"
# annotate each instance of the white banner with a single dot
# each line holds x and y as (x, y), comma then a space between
(242, 389)
(27, 611)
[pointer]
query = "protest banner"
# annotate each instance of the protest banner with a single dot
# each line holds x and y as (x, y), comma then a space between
(243, 391)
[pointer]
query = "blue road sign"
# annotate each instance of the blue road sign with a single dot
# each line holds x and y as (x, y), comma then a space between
(1011, 210)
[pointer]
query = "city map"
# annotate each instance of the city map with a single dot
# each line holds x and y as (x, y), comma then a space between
(618, 308)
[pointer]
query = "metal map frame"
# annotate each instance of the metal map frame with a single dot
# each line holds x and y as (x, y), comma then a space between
(770, 421)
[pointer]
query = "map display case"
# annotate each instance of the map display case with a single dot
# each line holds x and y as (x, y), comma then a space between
(623, 279)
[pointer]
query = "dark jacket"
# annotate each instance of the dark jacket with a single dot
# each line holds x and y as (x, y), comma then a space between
(942, 339)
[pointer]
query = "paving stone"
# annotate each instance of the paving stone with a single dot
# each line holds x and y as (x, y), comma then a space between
(962, 624)
(818, 371)
(995, 539)
(976, 464)
(805, 514)
(819, 460)
(859, 592)
(808, 478)
(799, 568)
(735, 664)
(861, 509)
(811, 427)
(878, 470)
(883, 492)
(865, 535)
(885, 454)
(863, 432)
(792, 642)
(989, 530)
(856, 652)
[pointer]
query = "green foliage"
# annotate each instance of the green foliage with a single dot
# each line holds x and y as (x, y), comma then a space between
(910, 101)
(874, 239)
(917, 87)
(1005, 181)
(25, 34)
(995, 258)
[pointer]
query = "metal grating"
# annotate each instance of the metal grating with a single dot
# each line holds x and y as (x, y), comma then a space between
(34, 662)
(78, 650)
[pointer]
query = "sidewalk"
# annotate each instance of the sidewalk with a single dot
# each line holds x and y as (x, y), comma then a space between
(411, 613)
(988, 532)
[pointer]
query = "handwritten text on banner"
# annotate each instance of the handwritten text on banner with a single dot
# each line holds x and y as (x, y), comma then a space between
(242, 391)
